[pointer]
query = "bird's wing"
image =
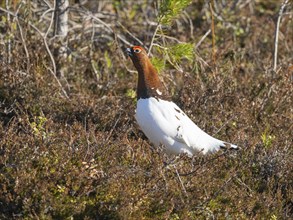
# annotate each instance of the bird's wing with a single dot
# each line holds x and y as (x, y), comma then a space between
(180, 136)
(175, 122)
(188, 132)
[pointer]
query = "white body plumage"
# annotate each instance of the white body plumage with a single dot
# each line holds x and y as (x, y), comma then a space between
(163, 122)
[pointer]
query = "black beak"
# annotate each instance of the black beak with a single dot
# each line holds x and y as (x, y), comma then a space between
(128, 51)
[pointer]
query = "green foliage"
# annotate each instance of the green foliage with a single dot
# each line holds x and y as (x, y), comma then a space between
(3, 19)
(175, 216)
(181, 51)
(38, 126)
(239, 31)
(108, 60)
(158, 63)
(131, 93)
(267, 138)
(174, 54)
(170, 9)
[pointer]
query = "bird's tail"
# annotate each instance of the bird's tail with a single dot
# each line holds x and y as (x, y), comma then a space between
(229, 146)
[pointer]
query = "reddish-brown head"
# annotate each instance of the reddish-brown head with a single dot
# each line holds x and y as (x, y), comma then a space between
(149, 84)
(138, 56)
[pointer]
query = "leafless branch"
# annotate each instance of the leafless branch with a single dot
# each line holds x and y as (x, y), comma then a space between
(21, 34)
(125, 29)
(168, 37)
(153, 38)
(190, 22)
(24, 44)
(53, 72)
(8, 39)
(180, 180)
(202, 39)
(213, 33)
(109, 28)
(275, 57)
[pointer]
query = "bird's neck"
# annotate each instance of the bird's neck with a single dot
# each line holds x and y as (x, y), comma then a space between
(148, 81)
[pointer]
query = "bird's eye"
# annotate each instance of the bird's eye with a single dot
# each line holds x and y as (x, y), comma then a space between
(137, 50)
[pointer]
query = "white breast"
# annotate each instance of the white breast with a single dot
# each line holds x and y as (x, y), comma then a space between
(163, 122)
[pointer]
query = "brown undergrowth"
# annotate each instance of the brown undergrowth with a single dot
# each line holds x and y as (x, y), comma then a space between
(85, 157)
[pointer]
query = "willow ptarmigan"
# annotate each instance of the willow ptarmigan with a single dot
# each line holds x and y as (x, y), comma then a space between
(162, 121)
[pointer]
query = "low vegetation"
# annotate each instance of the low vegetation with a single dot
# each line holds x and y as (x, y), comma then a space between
(84, 157)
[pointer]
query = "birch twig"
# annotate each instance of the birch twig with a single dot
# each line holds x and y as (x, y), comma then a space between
(275, 57)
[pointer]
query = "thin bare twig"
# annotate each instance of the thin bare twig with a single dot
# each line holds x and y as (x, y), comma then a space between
(22, 37)
(47, 3)
(190, 22)
(202, 39)
(9, 33)
(224, 124)
(284, 4)
(134, 37)
(53, 72)
(201, 164)
(168, 37)
(50, 10)
(24, 44)
(180, 180)
(158, 45)
(113, 128)
(213, 33)
(153, 38)
(109, 28)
